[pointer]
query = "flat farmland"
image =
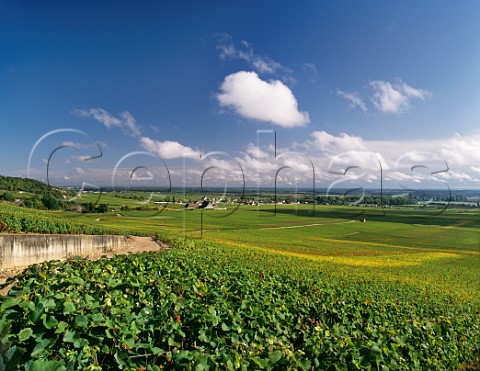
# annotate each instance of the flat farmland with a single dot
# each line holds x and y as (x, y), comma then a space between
(420, 247)
(247, 287)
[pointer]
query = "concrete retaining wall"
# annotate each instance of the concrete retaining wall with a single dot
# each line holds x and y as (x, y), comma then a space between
(18, 250)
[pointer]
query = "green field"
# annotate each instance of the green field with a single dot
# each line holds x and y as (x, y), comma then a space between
(268, 287)
(417, 247)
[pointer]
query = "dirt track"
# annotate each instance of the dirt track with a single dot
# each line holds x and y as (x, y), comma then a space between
(134, 245)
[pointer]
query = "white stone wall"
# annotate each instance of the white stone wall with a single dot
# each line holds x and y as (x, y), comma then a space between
(25, 249)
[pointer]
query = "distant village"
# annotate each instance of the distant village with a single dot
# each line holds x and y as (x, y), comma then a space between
(213, 203)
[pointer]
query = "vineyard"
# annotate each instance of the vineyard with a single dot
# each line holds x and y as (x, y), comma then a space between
(197, 306)
(18, 220)
(256, 289)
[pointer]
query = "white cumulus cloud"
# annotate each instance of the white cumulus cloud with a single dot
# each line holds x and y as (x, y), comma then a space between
(257, 152)
(332, 145)
(396, 97)
(168, 149)
(254, 98)
(462, 151)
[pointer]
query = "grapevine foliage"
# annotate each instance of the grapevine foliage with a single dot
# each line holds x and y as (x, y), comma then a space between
(201, 306)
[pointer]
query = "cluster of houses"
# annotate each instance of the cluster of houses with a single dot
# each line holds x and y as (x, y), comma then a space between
(205, 203)
(211, 204)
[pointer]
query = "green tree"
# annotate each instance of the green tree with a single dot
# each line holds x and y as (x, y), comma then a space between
(102, 208)
(50, 202)
(7, 196)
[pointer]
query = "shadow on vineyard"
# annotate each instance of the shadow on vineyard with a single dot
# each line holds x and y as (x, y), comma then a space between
(396, 215)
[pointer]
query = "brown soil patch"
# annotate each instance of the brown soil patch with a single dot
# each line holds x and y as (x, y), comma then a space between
(134, 245)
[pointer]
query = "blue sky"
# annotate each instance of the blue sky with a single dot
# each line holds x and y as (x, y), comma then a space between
(155, 85)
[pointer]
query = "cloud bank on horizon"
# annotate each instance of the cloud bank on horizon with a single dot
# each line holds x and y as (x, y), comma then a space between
(448, 161)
